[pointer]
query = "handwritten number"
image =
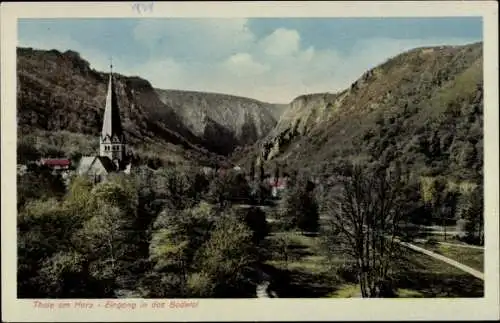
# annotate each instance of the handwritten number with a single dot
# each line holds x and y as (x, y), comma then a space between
(141, 7)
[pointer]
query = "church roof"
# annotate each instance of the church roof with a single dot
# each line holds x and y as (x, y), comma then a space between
(88, 162)
(107, 163)
(111, 125)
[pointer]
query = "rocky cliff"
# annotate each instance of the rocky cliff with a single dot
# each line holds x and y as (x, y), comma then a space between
(59, 91)
(423, 108)
(223, 121)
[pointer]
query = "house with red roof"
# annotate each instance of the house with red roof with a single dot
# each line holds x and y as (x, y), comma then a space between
(55, 163)
(278, 185)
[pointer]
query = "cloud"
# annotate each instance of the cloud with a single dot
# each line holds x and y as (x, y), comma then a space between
(243, 65)
(165, 72)
(194, 38)
(281, 42)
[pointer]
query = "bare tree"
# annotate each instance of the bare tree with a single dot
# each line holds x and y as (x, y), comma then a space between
(365, 214)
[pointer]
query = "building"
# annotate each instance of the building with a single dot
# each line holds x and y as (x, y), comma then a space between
(96, 167)
(55, 164)
(113, 154)
(22, 169)
(278, 186)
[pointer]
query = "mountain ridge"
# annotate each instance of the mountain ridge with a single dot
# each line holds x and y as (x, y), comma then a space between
(395, 108)
(60, 92)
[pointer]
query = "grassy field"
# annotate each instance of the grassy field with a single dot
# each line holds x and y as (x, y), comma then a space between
(298, 266)
(468, 256)
(428, 277)
(300, 269)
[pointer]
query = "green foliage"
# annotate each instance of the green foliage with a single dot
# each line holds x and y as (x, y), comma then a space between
(200, 284)
(63, 275)
(38, 183)
(118, 191)
(176, 238)
(168, 249)
(256, 221)
(198, 252)
(227, 253)
(228, 187)
(86, 244)
(428, 188)
(299, 208)
(177, 187)
(45, 228)
(471, 209)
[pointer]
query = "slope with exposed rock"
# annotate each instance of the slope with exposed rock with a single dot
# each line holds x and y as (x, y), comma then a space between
(61, 103)
(423, 108)
(223, 121)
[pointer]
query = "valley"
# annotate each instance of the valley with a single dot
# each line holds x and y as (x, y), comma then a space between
(332, 195)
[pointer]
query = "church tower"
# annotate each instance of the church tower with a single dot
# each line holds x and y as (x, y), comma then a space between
(112, 142)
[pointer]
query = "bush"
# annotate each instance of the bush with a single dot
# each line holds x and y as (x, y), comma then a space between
(431, 242)
(348, 273)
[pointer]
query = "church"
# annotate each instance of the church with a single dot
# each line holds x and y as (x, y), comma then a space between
(113, 154)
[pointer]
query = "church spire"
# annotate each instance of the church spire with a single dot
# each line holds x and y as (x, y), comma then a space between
(112, 140)
(112, 122)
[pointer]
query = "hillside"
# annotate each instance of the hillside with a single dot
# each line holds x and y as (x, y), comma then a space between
(423, 108)
(60, 110)
(222, 121)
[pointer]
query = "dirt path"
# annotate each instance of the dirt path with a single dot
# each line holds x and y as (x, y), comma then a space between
(262, 290)
(449, 261)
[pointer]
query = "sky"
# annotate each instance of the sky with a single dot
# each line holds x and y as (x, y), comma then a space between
(269, 59)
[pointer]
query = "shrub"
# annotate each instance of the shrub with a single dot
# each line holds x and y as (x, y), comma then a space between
(348, 273)
(431, 242)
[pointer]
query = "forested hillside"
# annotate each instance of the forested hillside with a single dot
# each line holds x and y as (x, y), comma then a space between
(423, 108)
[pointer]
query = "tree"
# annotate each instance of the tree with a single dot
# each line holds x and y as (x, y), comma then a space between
(39, 183)
(219, 191)
(201, 185)
(283, 242)
(112, 233)
(471, 209)
(261, 174)
(176, 238)
(259, 192)
(299, 208)
(365, 219)
(44, 228)
(227, 254)
(64, 275)
(255, 219)
(276, 172)
(168, 252)
(177, 187)
(252, 171)
(228, 187)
